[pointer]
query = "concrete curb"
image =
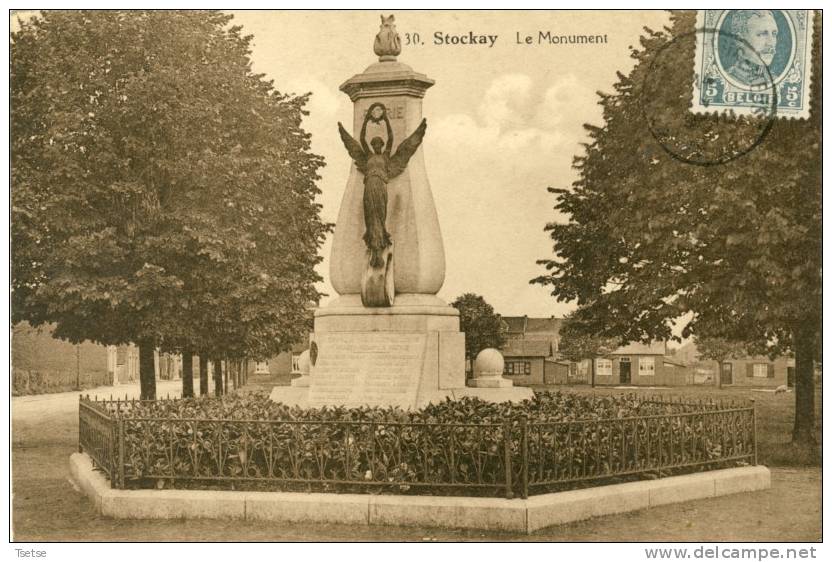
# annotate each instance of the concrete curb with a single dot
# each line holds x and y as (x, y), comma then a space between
(491, 514)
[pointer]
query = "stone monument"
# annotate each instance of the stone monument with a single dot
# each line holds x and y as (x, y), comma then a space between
(387, 339)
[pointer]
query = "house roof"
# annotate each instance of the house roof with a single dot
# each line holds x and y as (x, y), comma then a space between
(675, 362)
(515, 324)
(528, 324)
(527, 347)
(557, 360)
(638, 348)
(549, 325)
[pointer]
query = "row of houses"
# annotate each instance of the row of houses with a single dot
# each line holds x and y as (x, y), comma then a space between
(532, 359)
(35, 350)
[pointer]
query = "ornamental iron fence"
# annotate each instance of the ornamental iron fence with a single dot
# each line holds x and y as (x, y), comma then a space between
(513, 458)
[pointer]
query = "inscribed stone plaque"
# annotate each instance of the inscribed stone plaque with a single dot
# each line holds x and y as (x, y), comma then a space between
(367, 368)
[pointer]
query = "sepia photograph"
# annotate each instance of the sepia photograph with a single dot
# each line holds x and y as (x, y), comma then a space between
(409, 276)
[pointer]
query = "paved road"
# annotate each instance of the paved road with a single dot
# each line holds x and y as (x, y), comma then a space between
(47, 507)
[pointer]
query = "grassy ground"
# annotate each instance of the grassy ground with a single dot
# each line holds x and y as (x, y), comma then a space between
(46, 507)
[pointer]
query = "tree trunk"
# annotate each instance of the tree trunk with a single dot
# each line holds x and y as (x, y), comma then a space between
(804, 387)
(77, 367)
(187, 374)
(225, 366)
(217, 377)
(719, 373)
(592, 372)
(203, 375)
(147, 370)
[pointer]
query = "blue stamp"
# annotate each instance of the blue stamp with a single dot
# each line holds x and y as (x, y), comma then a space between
(753, 62)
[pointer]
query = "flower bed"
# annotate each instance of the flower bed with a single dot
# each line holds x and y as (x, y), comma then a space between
(553, 441)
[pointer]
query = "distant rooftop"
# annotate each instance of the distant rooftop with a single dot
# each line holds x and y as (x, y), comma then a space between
(637, 348)
(527, 324)
(523, 347)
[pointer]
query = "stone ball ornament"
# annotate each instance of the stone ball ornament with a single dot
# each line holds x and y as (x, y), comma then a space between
(489, 363)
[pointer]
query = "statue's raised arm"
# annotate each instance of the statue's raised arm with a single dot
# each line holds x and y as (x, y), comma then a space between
(358, 155)
(408, 147)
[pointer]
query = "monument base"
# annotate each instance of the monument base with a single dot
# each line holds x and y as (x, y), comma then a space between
(490, 382)
(294, 396)
(408, 355)
(291, 395)
(300, 382)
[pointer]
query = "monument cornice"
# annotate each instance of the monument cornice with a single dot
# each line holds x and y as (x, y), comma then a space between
(378, 81)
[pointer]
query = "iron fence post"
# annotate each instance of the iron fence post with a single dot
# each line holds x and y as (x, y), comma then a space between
(111, 453)
(507, 458)
(754, 422)
(452, 453)
(121, 453)
(525, 455)
(347, 456)
(80, 399)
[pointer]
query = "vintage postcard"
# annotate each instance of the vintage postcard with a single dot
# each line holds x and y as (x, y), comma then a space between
(416, 276)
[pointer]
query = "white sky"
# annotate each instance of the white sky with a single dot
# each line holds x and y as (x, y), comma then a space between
(503, 124)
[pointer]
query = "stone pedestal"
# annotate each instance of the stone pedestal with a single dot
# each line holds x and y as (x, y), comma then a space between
(406, 355)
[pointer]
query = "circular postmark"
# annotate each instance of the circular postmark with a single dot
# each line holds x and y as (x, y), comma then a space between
(714, 136)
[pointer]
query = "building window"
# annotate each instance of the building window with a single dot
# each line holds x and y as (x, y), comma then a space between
(296, 362)
(603, 367)
(646, 366)
(517, 368)
(760, 370)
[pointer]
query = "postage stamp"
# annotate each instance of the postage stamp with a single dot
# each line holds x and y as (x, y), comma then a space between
(753, 62)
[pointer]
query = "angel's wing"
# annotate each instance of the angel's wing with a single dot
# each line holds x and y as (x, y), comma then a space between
(354, 149)
(398, 162)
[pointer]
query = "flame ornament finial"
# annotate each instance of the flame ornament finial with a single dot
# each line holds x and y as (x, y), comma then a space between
(387, 45)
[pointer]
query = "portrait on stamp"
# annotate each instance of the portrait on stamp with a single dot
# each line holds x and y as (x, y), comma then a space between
(753, 62)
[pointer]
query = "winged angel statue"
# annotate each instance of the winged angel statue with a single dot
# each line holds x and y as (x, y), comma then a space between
(378, 168)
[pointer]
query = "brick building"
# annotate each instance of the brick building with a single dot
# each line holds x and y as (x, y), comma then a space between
(530, 351)
(531, 358)
(42, 363)
(750, 371)
(635, 364)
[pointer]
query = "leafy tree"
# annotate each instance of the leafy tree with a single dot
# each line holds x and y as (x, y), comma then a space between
(653, 236)
(162, 193)
(719, 350)
(576, 344)
(482, 326)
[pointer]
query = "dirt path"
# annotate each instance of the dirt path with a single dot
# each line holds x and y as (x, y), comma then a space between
(46, 507)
